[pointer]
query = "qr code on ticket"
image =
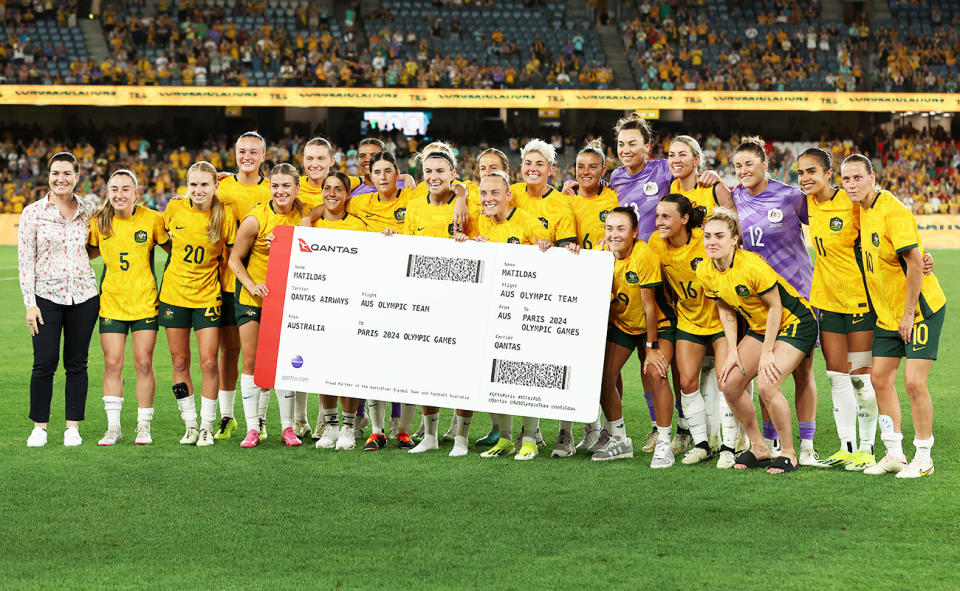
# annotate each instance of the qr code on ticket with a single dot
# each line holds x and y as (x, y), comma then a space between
(524, 373)
(460, 270)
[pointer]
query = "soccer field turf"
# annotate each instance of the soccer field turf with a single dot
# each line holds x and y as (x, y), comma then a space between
(169, 516)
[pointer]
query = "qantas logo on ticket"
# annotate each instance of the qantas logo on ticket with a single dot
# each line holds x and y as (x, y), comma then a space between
(314, 247)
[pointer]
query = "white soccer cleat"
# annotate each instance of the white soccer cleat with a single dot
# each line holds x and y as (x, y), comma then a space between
(37, 438)
(301, 428)
(888, 465)
(662, 455)
(917, 469)
(681, 442)
(807, 456)
(651, 441)
(773, 445)
(331, 434)
(347, 439)
(563, 448)
(318, 430)
(111, 437)
(727, 459)
(71, 437)
(190, 436)
(742, 445)
(714, 442)
(695, 455)
(205, 438)
(143, 434)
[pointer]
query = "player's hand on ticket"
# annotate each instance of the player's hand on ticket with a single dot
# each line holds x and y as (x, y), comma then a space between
(460, 237)
(544, 245)
(573, 247)
(388, 232)
(269, 240)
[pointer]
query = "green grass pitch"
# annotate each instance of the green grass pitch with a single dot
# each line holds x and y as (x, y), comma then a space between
(167, 516)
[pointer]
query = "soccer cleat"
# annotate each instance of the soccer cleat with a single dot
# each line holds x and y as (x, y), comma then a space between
(888, 465)
(347, 439)
(331, 434)
(318, 429)
(727, 459)
(590, 436)
(528, 451)
(773, 445)
(538, 438)
(301, 429)
(743, 443)
(681, 441)
(563, 448)
(289, 437)
(263, 429)
(490, 438)
(375, 442)
(143, 434)
(651, 442)
(807, 456)
(226, 428)
(840, 458)
(360, 426)
(917, 469)
(394, 428)
(204, 438)
(696, 454)
(602, 440)
(252, 439)
(404, 441)
(38, 437)
(714, 442)
(503, 447)
(71, 437)
(190, 436)
(111, 437)
(662, 455)
(615, 449)
(860, 461)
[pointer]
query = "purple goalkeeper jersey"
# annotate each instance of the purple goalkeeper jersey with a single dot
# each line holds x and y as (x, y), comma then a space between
(771, 227)
(642, 192)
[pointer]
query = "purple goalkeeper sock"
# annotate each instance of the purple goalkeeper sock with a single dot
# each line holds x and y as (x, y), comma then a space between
(395, 408)
(360, 409)
(648, 396)
(769, 431)
(807, 429)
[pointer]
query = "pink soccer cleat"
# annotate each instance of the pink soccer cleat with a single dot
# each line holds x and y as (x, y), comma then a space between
(289, 438)
(252, 439)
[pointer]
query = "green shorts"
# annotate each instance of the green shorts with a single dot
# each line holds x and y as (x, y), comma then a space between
(244, 314)
(926, 339)
(802, 335)
(706, 340)
(228, 315)
(109, 325)
(195, 318)
(839, 323)
(637, 341)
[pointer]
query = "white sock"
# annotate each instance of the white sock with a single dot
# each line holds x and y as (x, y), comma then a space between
(618, 430)
(462, 426)
(530, 427)
(264, 403)
(663, 433)
(112, 405)
(407, 411)
(331, 417)
(606, 425)
(226, 398)
(923, 448)
(349, 420)
(505, 422)
(300, 406)
(892, 440)
(453, 423)
(461, 438)
(432, 425)
(188, 411)
(729, 428)
(694, 408)
(250, 396)
(377, 410)
(286, 400)
(868, 412)
(844, 409)
(711, 399)
(144, 415)
(208, 412)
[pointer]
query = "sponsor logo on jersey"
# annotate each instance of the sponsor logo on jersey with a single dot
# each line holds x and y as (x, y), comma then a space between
(400, 213)
(513, 240)
(546, 224)
(875, 238)
(632, 277)
(695, 262)
(140, 237)
(603, 215)
(314, 247)
(743, 291)
(651, 188)
(836, 224)
(775, 215)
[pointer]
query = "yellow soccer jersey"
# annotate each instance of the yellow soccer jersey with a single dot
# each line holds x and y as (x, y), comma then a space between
(742, 284)
(640, 269)
(520, 227)
(128, 286)
(591, 216)
(256, 261)
(310, 195)
(705, 196)
(425, 219)
(838, 284)
(888, 229)
(191, 278)
(696, 314)
(239, 199)
(347, 222)
(377, 214)
(553, 210)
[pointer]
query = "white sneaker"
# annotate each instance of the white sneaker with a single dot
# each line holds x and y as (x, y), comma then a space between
(773, 445)
(727, 459)
(917, 469)
(695, 455)
(743, 443)
(38, 437)
(428, 443)
(330, 437)
(143, 434)
(600, 443)
(615, 449)
(204, 438)
(651, 442)
(563, 448)
(807, 456)
(71, 437)
(394, 428)
(347, 439)
(190, 436)
(888, 465)
(111, 437)
(590, 437)
(681, 442)
(662, 455)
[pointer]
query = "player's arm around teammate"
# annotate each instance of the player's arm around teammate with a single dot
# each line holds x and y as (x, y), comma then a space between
(202, 232)
(910, 309)
(685, 158)
(782, 332)
(124, 234)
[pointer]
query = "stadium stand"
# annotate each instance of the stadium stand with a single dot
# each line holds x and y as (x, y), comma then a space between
(43, 43)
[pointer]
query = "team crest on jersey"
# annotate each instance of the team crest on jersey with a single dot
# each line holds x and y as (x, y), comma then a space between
(545, 223)
(775, 215)
(632, 277)
(451, 229)
(695, 262)
(836, 224)
(603, 215)
(743, 291)
(651, 188)
(875, 238)
(513, 240)
(400, 213)
(139, 236)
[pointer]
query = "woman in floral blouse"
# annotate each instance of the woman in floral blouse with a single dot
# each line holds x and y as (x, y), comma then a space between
(60, 293)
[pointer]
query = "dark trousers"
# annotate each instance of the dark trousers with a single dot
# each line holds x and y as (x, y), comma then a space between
(76, 322)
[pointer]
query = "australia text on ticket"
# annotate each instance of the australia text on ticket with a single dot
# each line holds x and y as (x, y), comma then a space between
(490, 327)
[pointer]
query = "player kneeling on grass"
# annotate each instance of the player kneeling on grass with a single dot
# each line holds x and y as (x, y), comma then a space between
(781, 334)
(910, 310)
(253, 246)
(124, 234)
(502, 223)
(202, 232)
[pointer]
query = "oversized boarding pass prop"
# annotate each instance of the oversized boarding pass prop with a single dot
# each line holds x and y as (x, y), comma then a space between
(490, 327)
